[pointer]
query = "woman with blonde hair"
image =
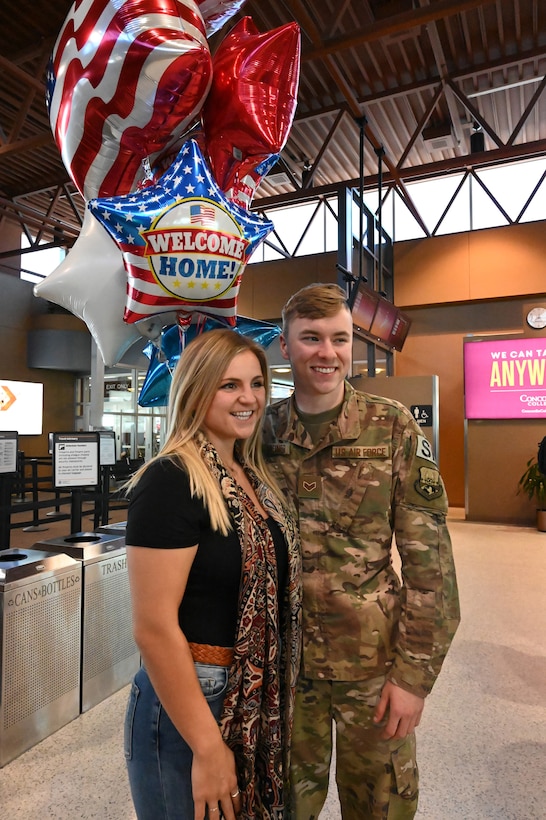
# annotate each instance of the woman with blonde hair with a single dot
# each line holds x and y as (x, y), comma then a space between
(214, 568)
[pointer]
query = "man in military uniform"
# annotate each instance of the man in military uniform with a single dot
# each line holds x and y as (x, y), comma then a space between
(359, 471)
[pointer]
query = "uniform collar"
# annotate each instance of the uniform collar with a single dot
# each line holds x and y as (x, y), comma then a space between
(347, 426)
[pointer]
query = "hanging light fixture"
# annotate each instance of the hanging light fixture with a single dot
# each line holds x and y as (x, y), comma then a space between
(477, 139)
(307, 174)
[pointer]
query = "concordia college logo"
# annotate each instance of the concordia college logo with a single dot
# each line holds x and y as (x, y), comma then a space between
(195, 249)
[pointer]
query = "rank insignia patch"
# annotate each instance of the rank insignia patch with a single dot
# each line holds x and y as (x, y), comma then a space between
(309, 486)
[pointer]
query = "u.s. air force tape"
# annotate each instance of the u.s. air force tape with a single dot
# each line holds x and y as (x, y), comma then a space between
(361, 451)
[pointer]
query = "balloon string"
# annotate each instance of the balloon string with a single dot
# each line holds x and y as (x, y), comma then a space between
(200, 323)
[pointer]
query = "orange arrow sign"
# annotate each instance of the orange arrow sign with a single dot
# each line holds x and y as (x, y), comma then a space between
(6, 397)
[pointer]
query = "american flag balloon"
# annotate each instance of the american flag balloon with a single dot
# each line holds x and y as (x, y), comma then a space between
(126, 79)
(184, 244)
(217, 12)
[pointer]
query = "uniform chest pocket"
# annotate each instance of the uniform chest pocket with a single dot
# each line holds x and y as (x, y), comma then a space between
(350, 485)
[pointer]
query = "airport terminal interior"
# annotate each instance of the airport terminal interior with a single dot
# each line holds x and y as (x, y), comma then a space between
(481, 742)
(395, 147)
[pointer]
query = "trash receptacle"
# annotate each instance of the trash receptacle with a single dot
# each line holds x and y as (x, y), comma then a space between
(118, 528)
(110, 656)
(40, 640)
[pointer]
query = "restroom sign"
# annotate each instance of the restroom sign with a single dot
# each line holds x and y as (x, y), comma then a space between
(422, 413)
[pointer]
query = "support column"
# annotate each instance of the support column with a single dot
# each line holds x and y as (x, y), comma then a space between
(96, 408)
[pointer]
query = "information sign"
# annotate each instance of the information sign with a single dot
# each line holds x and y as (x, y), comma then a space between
(8, 451)
(75, 460)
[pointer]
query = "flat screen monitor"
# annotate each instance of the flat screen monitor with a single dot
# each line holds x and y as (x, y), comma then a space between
(399, 331)
(21, 407)
(376, 319)
(505, 378)
(363, 306)
(383, 321)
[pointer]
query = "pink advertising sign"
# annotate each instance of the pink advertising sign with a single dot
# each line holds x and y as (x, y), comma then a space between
(505, 379)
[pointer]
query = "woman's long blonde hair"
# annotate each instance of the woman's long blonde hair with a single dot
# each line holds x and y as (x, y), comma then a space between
(196, 379)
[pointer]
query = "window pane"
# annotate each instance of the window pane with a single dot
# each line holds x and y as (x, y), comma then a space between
(270, 253)
(485, 213)
(431, 197)
(405, 224)
(37, 264)
(511, 185)
(314, 238)
(330, 227)
(457, 218)
(387, 213)
(291, 222)
(537, 207)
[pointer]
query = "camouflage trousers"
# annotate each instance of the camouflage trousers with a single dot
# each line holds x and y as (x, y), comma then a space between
(376, 779)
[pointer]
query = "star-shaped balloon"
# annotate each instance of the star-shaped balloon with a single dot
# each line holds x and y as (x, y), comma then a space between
(185, 245)
(165, 355)
(91, 283)
(249, 110)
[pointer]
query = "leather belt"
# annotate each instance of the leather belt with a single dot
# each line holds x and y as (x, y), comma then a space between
(214, 655)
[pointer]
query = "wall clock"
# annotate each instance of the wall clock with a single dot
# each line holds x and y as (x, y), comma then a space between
(536, 318)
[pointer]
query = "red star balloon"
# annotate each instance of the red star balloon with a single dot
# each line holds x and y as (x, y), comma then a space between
(250, 107)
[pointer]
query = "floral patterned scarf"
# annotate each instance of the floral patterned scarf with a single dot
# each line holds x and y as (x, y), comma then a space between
(256, 722)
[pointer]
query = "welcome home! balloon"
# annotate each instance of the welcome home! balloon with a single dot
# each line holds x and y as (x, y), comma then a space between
(185, 245)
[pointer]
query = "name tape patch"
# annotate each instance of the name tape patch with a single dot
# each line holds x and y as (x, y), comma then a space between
(278, 449)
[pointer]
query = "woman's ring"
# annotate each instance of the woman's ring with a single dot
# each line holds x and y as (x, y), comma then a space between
(236, 794)
(214, 809)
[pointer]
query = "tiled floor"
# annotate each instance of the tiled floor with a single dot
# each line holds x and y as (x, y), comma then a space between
(482, 741)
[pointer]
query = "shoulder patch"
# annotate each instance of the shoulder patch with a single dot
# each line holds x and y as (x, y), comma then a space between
(428, 484)
(424, 449)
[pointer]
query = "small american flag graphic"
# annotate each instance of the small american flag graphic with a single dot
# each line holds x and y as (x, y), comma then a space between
(126, 79)
(202, 215)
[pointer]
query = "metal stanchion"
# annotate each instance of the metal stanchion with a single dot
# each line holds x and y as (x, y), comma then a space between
(5, 516)
(76, 511)
(35, 526)
(57, 510)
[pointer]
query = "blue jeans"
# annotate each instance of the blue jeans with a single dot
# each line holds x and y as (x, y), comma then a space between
(158, 758)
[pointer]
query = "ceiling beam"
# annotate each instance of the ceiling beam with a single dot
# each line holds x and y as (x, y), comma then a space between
(487, 158)
(21, 74)
(27, 143)
(394, 25)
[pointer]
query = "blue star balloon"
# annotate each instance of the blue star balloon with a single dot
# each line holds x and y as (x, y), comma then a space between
(164, 357)
(184, 244)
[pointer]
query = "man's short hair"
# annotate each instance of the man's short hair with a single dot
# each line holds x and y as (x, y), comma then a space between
(316, 301)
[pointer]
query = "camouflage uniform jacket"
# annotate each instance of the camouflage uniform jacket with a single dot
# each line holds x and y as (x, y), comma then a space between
(371, 476)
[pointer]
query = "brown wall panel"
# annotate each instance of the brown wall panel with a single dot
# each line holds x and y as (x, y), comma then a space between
(442, 356)
(489, 264)
(497, 454)
(429, 271)
(266, 287)
(507, 262)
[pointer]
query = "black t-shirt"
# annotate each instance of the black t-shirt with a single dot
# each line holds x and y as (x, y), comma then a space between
(162, 514)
